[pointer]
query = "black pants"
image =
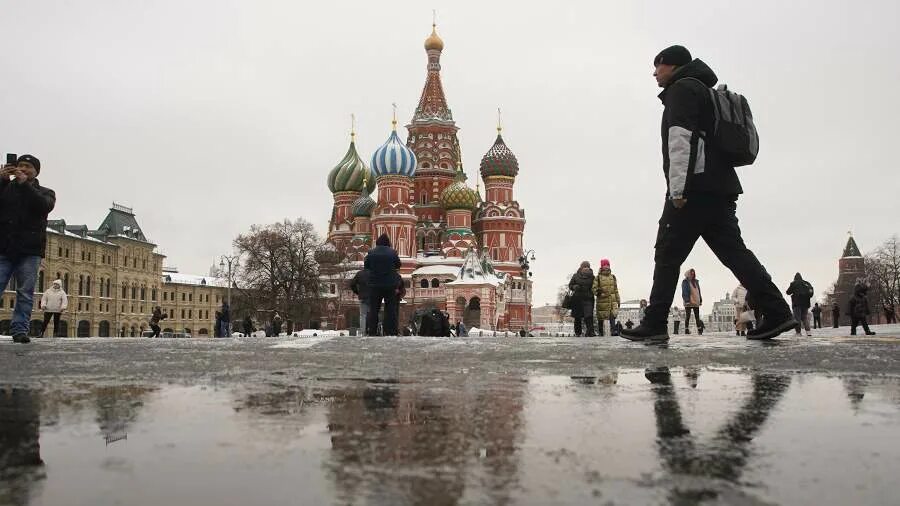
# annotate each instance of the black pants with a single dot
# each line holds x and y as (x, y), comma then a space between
(836, 319)
(855, 321)
(155, 328)
(817, 321)
(687, 317)
(583, 310)
(389, 325)
(712, 217)
(47, 317)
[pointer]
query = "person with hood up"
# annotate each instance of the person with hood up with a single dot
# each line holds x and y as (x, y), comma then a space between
(817, 315)
(701, 200)
(801, 292)
(693, 299)
(154, 321)
(859, 309)
(383, 262)
(606, 291)
(583, 299)
(276, 325)
(54, 302)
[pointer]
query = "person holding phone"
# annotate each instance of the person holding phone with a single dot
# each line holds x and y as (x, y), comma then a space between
(24, 206)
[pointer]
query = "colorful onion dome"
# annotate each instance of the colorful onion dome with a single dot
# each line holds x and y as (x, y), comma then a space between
(348, 175)
(458, 195)
(327, 253)
(499, 160)
(364, 205)
(393, 158)
(433, 41)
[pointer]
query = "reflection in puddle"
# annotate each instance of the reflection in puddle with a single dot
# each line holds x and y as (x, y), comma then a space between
(654, 436)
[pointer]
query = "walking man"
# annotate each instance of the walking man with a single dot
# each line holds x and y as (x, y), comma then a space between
(701, 201)
(801, 292)
(24, 206)
(154, 321)
(360, 286)
(383, 262)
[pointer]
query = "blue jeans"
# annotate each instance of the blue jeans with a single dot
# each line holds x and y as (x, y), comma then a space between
(363, 316)
(24, 270)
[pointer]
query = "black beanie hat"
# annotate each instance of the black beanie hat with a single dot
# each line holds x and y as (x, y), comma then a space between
(673, 55)
(32, 160)
(383, 240)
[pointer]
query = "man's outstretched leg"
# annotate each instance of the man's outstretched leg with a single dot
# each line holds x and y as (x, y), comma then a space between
(678, 231)
(723, 235)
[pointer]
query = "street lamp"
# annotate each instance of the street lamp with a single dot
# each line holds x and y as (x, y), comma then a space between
(231, 261)
(527, 255)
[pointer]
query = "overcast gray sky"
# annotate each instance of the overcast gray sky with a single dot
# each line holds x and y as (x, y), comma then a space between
(207, 116)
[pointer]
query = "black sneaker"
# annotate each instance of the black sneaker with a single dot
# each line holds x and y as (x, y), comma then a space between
(21, 338)
(645, 333)
(768, 330)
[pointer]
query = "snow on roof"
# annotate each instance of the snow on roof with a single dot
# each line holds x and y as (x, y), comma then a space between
(438, 259)
(190, 279)
(436, 269)
(77, 236)
(477, 270)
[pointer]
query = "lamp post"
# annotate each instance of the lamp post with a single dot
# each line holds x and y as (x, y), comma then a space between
(527, 255)
(231, 261)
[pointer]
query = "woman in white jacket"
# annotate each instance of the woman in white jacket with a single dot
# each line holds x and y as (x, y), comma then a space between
(54, 302)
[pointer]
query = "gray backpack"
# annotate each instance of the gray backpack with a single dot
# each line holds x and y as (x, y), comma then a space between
(734, 134)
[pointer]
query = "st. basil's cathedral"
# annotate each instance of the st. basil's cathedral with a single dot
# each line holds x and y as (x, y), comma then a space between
(459, 252)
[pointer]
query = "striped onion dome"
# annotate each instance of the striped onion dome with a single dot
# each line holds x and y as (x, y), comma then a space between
(393, 158)
(349, 173)
(499, 160)
(458, 195)
(364, 205)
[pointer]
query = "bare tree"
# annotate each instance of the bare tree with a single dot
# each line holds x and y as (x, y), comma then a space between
(883, 272)
(278, 266)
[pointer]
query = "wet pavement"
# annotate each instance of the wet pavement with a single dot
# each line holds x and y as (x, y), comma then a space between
(395, 421)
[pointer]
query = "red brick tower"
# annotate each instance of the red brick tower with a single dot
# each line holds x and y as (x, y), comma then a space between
(851, 269)
(432, 136)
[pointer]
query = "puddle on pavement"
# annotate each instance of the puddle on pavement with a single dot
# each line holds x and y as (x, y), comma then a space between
(655, 436)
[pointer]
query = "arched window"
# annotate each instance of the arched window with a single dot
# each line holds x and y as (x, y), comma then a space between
(143, 293)
(153, 294)
(424, 199)
(87, 286)
(107, 287)
(80, 284)
(41, 281)
(133, 292)
(435, 283)
(66, 282)
(124, 291)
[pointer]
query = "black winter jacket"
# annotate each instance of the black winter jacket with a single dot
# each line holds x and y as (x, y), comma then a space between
(23, 217)
(690, 164)
(581, 284)
(859, 304)
(801, 292)
(382, 261)
(360, 284)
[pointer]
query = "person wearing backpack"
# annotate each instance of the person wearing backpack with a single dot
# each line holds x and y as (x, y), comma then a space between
(699, 158)
(801, 292)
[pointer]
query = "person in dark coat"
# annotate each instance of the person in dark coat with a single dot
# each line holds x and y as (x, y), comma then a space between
(817, 315)
(581, 285)
(836, 315)
(248, 325)
(701, 201)
(360, 286)
(859, 309)
(801, 293)
(217, 331)
(24, 206)
(154, 320)
(226, 319)
(383, 263)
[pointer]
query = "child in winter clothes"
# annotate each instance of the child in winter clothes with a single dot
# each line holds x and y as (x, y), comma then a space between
(54, 302)
(606, 291)
(859, 310)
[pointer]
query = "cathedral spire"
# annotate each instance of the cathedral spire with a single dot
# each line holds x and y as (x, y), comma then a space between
(432, 106)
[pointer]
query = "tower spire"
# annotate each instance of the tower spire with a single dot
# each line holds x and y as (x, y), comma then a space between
(352, 127)
(499, 122)
(394, 120)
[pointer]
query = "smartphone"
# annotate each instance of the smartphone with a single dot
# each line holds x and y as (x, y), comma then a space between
(11, 158)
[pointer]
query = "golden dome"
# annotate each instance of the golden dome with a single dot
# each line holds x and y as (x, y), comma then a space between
(433, 41)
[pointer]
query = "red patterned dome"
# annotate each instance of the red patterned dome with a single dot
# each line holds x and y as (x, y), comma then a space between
(499, 161)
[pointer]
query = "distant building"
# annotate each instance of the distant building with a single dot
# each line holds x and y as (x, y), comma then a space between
(851, 269)
(114, 277)
(722, 317)
(630, 310)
